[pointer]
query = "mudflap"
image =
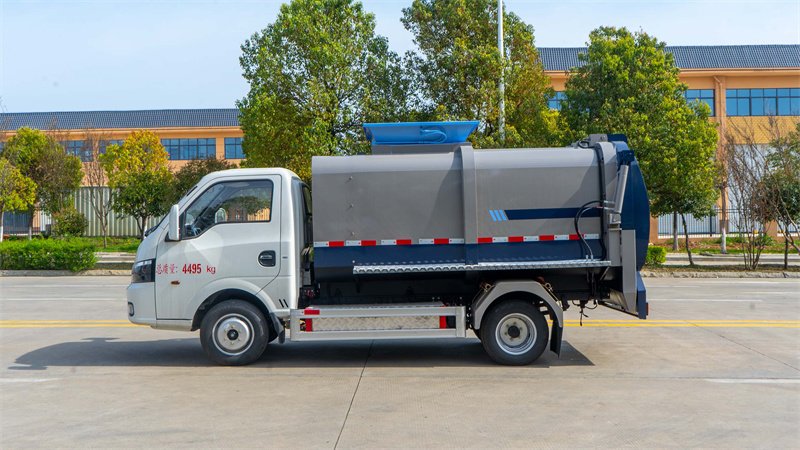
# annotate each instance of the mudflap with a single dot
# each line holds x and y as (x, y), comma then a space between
(642, 307)
(556, 335)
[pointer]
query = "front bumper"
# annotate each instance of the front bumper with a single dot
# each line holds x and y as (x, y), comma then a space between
(142, 303)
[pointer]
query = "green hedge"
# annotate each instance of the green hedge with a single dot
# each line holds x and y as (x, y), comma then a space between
(656, 255)
(46, 254)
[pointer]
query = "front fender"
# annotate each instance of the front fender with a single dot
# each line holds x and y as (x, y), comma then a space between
(225, 284)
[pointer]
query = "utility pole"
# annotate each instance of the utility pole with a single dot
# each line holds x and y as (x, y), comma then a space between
(501, 121)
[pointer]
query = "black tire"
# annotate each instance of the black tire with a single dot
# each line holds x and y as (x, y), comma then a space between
(234, 333)
(508, 331)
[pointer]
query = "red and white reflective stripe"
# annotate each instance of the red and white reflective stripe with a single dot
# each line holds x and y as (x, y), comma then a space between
(329, 244)
(441, 241)
(360, 243)
(396, 242)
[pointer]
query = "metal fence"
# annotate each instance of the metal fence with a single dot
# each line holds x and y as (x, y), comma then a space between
(17, 223)
(117, 225)
(706, 226)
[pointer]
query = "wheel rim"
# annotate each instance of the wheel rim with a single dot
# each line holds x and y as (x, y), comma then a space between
(233, 334)
(515, 334)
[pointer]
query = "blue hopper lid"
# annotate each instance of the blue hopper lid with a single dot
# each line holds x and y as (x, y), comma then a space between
(419, 132)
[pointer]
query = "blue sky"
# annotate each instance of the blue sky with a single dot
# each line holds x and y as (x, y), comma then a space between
(88, 55)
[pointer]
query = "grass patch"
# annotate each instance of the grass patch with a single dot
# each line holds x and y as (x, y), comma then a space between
(711, 245)
(115, 244)
(704, 268)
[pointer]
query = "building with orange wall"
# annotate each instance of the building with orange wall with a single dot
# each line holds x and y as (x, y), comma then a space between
(742, 84)
(739, 82)
(185, 133)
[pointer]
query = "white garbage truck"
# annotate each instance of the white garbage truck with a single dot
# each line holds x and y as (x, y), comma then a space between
(424, 238)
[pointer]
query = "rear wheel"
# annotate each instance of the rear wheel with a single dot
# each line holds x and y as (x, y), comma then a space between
(514, 333)
(234, 333)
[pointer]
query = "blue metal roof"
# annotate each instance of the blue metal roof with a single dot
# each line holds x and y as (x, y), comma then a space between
(696, 56)
(153, 118)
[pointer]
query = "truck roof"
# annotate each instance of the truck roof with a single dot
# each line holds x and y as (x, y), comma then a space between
(260, 171)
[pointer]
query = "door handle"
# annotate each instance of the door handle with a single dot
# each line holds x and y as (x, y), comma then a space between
(267, 258)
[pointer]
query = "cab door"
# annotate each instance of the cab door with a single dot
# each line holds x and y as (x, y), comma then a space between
(230, 231)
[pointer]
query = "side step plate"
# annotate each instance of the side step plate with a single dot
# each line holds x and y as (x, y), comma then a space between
(349, 322)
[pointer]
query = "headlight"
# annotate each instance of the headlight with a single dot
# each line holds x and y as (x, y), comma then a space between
(144, 271)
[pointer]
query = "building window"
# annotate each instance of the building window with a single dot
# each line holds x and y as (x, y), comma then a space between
(233, 148)
(105, 144)
(77, 148)
(763, 102)
(556, 100)
(704, 95)
(190, 148)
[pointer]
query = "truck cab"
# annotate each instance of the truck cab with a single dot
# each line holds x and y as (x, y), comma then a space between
(238, 234)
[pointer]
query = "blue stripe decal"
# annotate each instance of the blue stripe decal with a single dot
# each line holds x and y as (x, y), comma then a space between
(503, 214)
(494, 218)
(548, 213)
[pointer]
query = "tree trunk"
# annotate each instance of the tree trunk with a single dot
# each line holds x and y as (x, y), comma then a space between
(785, 249)
(1, 225)
(674, 232)
(686, 234)
(30, 224)
(724, 227)
(141, 227)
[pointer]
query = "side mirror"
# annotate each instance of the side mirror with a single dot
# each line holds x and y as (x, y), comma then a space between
(173, 227)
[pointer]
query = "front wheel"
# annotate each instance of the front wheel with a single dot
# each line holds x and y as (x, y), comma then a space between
(514, 333)
(234, 333)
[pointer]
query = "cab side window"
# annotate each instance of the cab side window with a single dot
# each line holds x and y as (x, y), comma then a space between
(228, 202)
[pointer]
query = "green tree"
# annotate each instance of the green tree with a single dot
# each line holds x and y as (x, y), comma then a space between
(58, 175)
(629, 84)
(458, 67)
(316, 75)
(21, 150)
(17, 191)
(138, 177)
(40, 157)
(191, 173)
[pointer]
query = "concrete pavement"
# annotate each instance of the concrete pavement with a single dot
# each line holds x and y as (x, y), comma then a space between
(716, 365)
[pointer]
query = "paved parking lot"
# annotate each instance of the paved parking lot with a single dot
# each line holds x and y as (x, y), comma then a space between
(717, 365)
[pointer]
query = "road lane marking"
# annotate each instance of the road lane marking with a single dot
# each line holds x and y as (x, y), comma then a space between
(80, 285)
(25, 380)
(63, 321)
(58, 299)
(704, 300)
(684, 321)
(687, 324)
(72, 325)
(755, 380)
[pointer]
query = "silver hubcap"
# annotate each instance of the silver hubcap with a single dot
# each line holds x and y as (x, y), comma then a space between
(233, 334)
(516, 334)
